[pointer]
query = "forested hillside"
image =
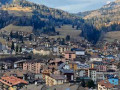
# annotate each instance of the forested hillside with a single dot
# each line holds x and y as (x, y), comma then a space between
(105, 16)
(43, 19)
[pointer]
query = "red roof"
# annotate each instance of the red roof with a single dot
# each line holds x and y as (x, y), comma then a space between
(106, 83)
(11, 80)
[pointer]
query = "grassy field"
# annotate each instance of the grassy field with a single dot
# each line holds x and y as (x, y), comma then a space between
(3, 41)
(11, 27)
(111, 36)
(18, 8)
(67, 30)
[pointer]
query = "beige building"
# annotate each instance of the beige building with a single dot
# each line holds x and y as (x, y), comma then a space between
(55, 80)
(41, 52)
(33, 66)
(63, 48)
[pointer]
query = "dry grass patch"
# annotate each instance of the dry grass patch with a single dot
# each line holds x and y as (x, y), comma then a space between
(18, 8)
(67, 30)
(111, 36)
(11, 27)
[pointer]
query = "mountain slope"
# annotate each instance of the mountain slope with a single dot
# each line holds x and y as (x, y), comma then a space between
(105, 16)
(40, 17)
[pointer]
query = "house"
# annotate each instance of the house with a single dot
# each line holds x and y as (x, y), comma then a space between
(110, 57)
(55, 79)
(45, 72)
(78, 52)
(82, 73)
(83, 66)
(19, 73)
(41, 52)
(62, 48)
(19, 64)
(5, 65)
(27, 50)
(106, 85)
(112, 67)
(69, 55)
(12, 83)
(65, 70)
(114, 80)
(95, 58)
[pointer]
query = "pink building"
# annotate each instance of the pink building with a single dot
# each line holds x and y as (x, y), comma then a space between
(70, 55)
(33, 66)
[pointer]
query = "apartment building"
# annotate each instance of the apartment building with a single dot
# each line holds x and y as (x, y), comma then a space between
(33, 66)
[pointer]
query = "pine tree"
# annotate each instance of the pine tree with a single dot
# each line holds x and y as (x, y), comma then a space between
(12, 46)
(17, 49)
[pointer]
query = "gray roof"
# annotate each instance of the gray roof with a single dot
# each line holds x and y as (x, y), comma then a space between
(58, 77)
(67, 71)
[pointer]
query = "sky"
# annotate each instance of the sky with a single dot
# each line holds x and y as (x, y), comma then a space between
(74, 6)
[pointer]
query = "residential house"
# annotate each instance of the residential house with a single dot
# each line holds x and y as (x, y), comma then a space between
(112, 67)
(5, 65)
(114, 80)
(19, 73)
(78, 52)
(12, 83)
(19, 64)
(55, 80)
(83, 66)
(69, 55)
(82, 73)
(62, 48)
(95, 58)
(106, 85)
(41, 52)
(66, 71)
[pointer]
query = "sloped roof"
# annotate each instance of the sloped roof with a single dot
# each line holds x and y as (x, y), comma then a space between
(11, 80)
(106, 83)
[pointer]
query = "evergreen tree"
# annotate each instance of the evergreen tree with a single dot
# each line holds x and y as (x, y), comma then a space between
(12, 46)
(83, 83)
(90, 84)
(20, 49)
(17, 49)
(73, 26)
(11, 34)
(30, 37)
(68, 38)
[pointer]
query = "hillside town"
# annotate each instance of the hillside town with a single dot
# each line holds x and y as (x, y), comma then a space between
(29, 62)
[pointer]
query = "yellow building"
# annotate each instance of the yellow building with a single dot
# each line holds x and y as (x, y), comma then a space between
(55, 79)
(73, 65)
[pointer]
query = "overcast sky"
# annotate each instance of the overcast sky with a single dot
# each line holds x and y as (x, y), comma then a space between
(73, 6)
